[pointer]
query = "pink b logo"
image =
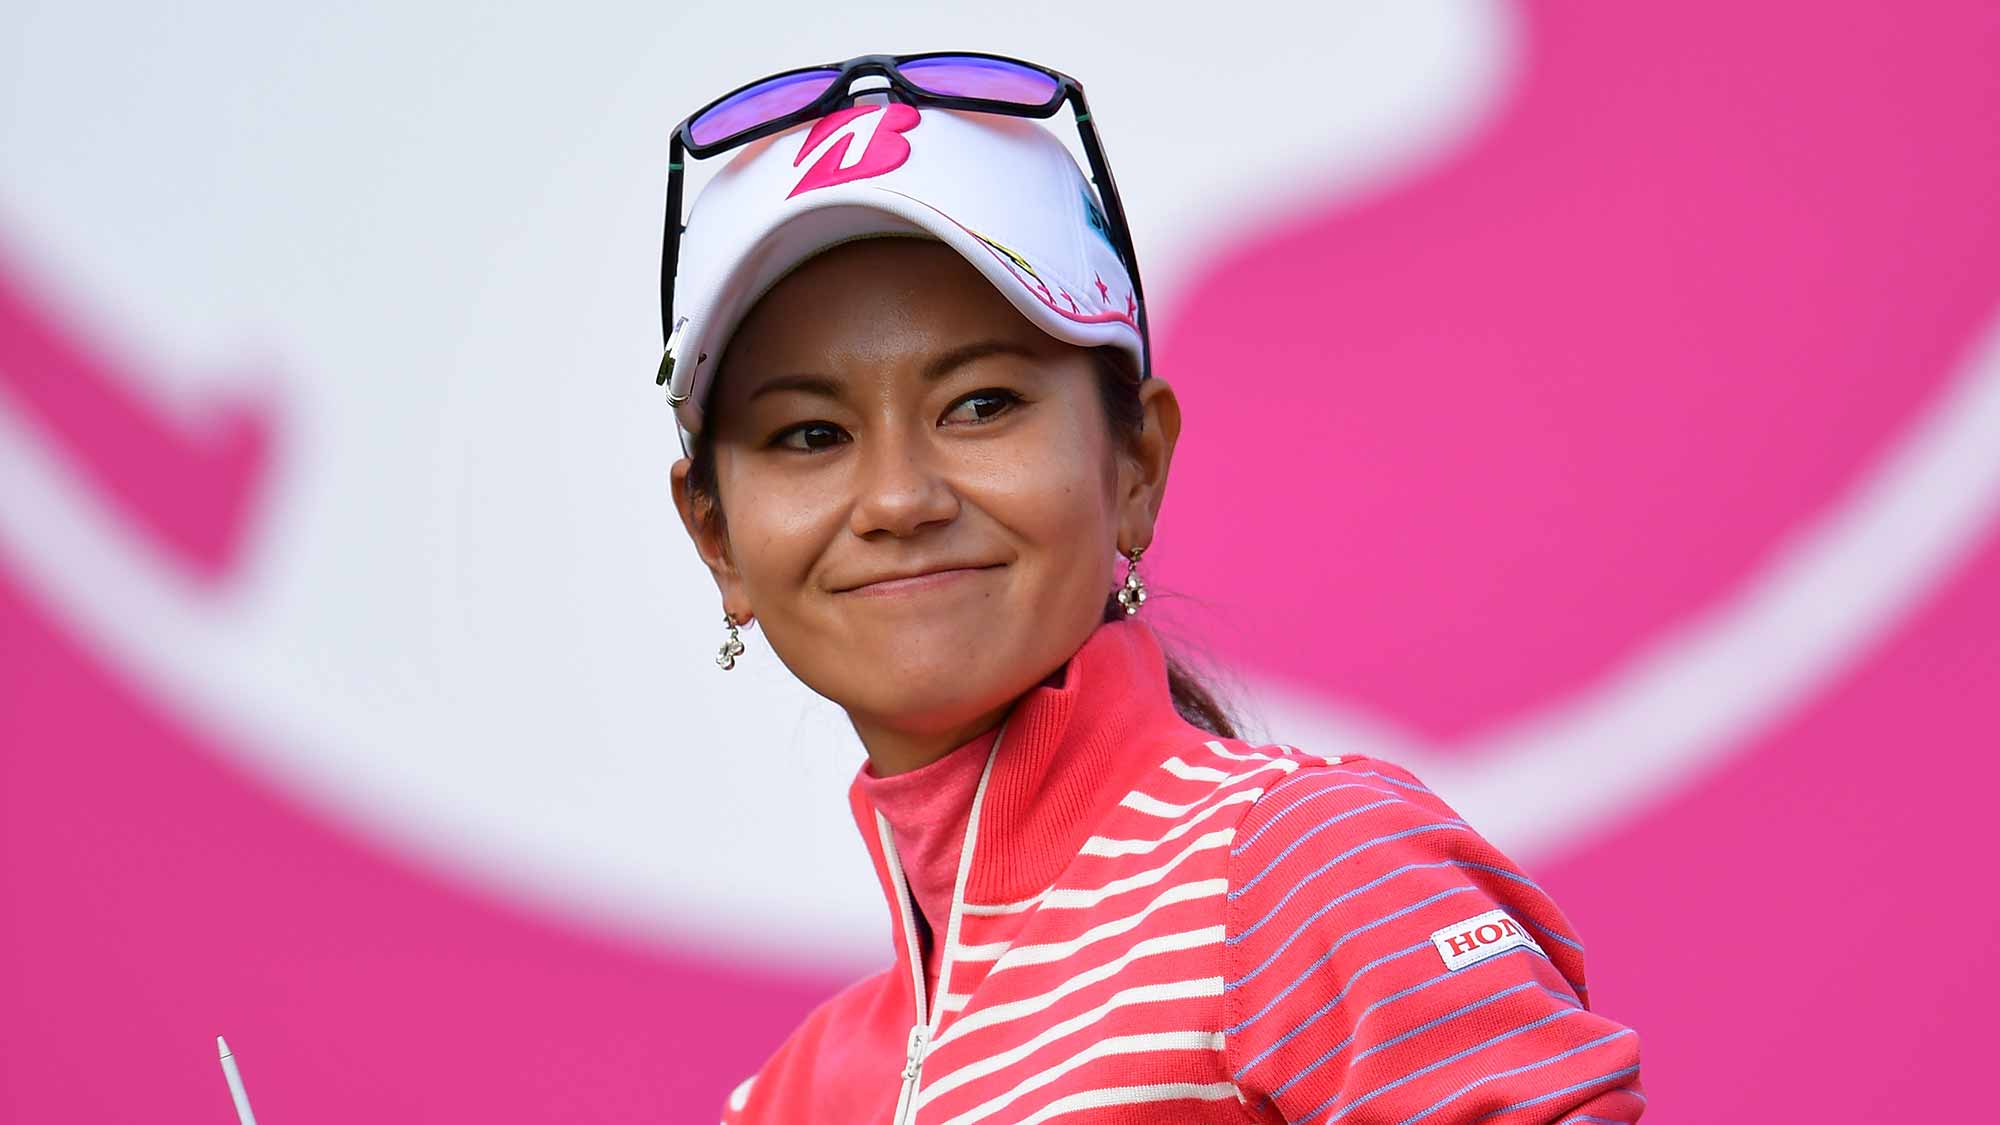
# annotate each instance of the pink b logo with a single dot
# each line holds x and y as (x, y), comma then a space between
(882, 148)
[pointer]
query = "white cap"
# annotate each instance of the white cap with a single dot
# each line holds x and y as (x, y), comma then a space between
(1002, 191)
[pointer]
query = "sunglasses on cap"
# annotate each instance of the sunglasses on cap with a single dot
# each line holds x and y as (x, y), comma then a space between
(967, 80)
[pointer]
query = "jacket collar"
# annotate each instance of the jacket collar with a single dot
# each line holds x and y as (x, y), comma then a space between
(1066, 753)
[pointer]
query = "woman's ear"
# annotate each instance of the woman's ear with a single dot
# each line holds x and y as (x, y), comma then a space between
(703, 521)
(1144, 484)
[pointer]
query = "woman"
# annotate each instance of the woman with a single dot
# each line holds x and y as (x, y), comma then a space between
(909, 365)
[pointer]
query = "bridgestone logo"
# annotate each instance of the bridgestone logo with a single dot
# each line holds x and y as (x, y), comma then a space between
(1475, 939)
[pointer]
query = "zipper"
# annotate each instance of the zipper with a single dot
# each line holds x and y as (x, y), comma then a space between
(913, 1066)
(913, 1053)
(929, 1014)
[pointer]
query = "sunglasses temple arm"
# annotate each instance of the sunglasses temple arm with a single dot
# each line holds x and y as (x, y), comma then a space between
(670, 243)
(1114, 209)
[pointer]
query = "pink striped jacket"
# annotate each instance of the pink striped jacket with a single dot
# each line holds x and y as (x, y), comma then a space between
(1151, 924)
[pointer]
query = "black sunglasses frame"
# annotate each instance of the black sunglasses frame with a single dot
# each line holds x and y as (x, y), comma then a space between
(839, 94)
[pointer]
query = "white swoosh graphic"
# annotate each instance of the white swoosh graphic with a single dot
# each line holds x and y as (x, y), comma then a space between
(377, 750)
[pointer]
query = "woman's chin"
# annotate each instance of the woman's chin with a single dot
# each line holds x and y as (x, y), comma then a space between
(954, 646)
(935, 674)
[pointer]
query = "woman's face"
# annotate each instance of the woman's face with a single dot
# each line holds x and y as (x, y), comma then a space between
(922, 503)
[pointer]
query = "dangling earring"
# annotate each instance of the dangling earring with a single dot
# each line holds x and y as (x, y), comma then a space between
(1132, 595)
(731, 648)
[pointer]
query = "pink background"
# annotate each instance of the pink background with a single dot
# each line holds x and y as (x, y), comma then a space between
(1457, 448)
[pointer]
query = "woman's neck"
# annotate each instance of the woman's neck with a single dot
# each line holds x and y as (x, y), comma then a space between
(893, 750)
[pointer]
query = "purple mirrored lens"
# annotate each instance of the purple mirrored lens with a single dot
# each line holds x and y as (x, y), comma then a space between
(766, 101)
(969, 76)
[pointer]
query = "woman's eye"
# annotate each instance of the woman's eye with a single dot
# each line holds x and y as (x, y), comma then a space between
(810, 436)
(979, 406)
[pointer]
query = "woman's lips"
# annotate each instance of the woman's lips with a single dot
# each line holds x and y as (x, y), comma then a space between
(919, 583)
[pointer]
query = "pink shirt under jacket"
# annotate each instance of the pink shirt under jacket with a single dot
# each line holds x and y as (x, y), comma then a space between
(1143, 924)
(927, 809)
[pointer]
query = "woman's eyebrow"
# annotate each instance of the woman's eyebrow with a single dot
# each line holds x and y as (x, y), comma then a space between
(807, 384)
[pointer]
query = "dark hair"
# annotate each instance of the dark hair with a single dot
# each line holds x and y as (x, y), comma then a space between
(1118, 389)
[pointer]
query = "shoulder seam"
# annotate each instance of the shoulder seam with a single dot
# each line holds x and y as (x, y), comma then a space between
(1231, 878)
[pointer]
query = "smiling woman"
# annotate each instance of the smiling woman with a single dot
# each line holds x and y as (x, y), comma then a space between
(992, 474)
(921, 427)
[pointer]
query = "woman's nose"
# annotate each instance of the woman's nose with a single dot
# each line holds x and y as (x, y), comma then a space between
(900, 488)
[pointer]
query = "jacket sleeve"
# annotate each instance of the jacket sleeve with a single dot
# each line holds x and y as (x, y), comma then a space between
(1385, 965)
